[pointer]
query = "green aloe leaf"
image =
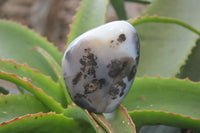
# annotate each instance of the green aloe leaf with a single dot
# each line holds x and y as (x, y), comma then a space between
(151, 117)
(158, 19)
(191, 68)
(12, 106)
(57, 69)
(103, 122)
(83, 117)
(35, 78)
(122, 121)
(48, 101)
(152, 101)
(165, 47)
(159, 129)
(119, 8)
(52, 62)
(40, 123)
(16, 42)
(119, 121)
(141, 1)
(90, 14)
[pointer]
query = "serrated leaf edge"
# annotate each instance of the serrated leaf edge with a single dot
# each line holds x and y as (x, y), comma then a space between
(71, 25)
(106, 127)
(172, 77)
(96, 125)
(187, 59)
(29, 115)
(30, 29)
(74, 17)
(39, 93)
(128, 117)
(158, 19)
(27, 66)
(162, 111)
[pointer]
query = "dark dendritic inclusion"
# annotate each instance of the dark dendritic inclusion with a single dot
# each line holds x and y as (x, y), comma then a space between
(121, 38)
(89, 65)
(82, 101)
(94, 85)
(118, 70)
(117, 89)
(77, 78)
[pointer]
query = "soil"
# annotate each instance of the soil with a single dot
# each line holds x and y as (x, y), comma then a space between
(51, 18)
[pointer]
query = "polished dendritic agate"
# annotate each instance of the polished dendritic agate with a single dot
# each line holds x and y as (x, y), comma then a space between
(99, 66)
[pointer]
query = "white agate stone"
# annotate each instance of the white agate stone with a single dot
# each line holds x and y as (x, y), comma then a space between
(99, 66)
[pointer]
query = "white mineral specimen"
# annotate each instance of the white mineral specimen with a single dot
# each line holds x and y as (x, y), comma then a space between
(99, 66)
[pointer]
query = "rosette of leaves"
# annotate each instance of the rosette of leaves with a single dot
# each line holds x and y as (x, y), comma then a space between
(169, 48)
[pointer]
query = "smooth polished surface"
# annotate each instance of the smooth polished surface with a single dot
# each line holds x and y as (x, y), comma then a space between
(99, 66)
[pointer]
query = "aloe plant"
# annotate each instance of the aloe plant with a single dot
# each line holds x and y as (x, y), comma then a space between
(169, 54)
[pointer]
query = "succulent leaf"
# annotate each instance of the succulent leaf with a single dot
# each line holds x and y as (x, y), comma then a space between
(191, 68)
(165, 47)
(16, 42)
(40, 123)
(119, 121)
(48, 101)
(119, 8)
(164, 95)
(83, 117)
(140, 1)
(57, 69)
(158, 19)
(36, 78)
(152, 117)
(12, 106)
(90, 15)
